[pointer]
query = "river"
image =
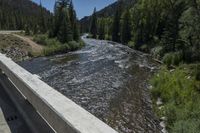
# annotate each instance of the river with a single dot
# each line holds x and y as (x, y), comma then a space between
(107, 79)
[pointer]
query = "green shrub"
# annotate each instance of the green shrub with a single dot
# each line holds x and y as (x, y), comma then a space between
(177, 58)
(173, 58)
(181, 99)
(53, 46)
(108, 37)
(40, 39)
(144, 48)
(168, 59)
(51, 42)
(186, 126)
(73, 45)
(131, 44)
(56, 49)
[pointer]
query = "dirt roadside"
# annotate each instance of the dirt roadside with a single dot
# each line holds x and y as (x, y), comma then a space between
(19, 47)
(36, 48)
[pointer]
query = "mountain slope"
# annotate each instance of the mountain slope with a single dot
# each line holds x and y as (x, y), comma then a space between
(108, 11)
(15, 14)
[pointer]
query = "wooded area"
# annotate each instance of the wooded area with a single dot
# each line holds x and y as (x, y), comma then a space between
(23, 14)
(169, 29)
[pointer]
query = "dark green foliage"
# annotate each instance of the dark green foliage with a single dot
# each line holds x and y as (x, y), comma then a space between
(65, 34)
(64, 30)
(102, 30)
(27, 30)
(15, 14)
(54, 46)
(181, 99)
(107, 12)
(126, 28)
(74, 45)
(197, 72)
(173, 58)
(165, 26)
(93, 25)
(116, 27)
(73, 20)
(42, 21)
(65, 26)
(40, 39)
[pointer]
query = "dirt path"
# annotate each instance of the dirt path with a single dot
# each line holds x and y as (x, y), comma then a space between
(36, 48)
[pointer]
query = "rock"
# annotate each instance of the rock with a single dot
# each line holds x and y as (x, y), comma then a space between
(16, 53)
(159, 102)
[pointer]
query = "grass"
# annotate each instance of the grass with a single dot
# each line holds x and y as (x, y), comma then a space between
(53, 46)
(180, 92)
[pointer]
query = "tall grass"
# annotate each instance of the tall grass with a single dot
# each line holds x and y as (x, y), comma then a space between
(178, 90)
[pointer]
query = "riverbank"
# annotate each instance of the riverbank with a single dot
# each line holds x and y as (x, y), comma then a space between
(179, 91)
(52, 46)
(14, 47)
(20, 47)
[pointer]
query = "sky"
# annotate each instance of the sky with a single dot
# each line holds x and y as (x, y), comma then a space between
(82, 7)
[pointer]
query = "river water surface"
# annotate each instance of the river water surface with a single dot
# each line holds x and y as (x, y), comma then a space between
(109, 80)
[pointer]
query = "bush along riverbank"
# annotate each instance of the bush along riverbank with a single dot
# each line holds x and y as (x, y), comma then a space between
(52, 46)
(179, 91)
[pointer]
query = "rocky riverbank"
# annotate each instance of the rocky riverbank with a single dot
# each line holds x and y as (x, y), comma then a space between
(14, 47)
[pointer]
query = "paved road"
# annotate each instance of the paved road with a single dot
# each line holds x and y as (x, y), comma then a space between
(4, 128)
(10, 117)
(18, 112)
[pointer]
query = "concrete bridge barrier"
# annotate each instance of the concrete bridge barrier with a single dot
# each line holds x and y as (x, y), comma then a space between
(62, 114)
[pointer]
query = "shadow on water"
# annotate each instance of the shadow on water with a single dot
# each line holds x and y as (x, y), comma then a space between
(131, 110)
(109, 81)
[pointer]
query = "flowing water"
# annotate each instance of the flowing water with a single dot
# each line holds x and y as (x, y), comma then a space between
(107, 79)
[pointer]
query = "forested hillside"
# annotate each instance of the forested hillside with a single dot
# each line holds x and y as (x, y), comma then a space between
(170, 30)
(21, 14)
(106, 12)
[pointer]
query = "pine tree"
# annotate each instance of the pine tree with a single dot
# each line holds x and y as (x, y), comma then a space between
(51, 24)
(126, 28)
(73, 20)
(76, 33)
(36, 29)
(27, 30)
(116, 27)
(65, 33)
(102, 30)
(72, 14)
(42, 23)
(93, 26)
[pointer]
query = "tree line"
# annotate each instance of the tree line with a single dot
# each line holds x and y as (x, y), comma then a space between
(23, 14)
(34, 19)
(169, 29)
(64, 24)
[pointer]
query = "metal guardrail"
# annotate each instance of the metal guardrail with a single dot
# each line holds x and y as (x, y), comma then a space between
(62, 114)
